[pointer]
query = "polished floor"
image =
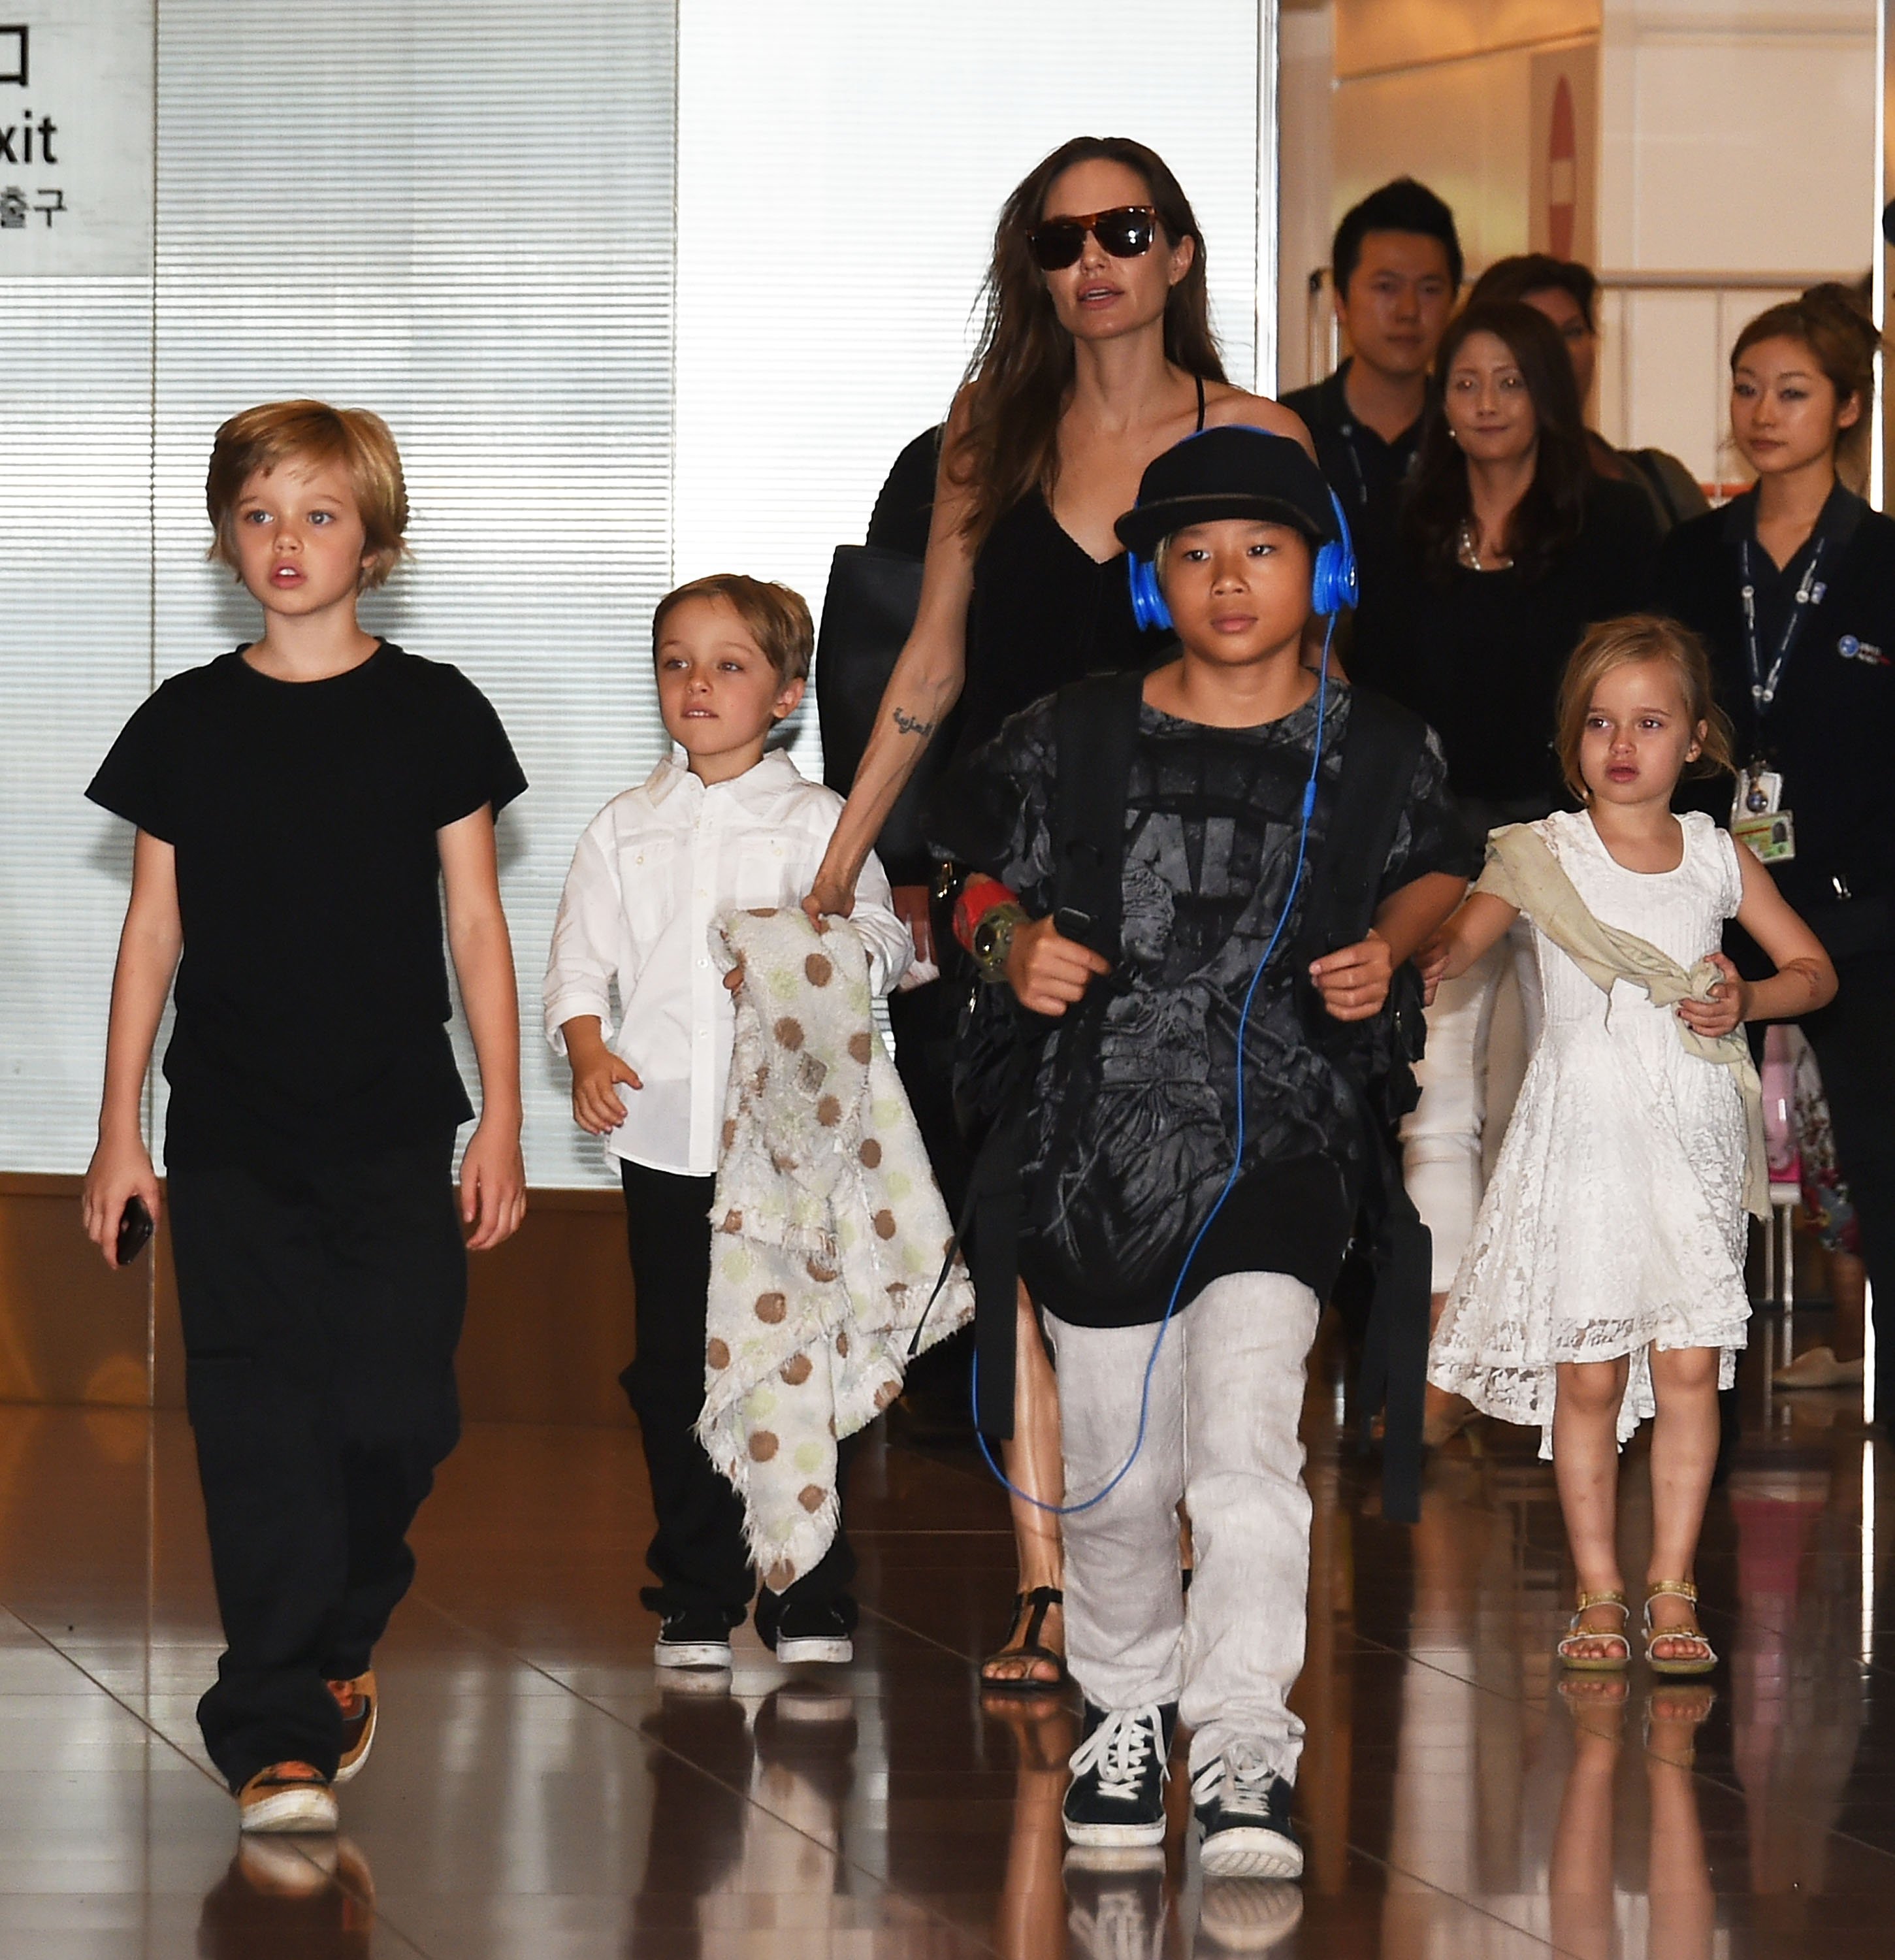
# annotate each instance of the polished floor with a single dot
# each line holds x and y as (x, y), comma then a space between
(538, 1793)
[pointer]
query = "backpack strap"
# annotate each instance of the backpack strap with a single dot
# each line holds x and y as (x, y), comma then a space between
(1381, 752)
(1096, 730)
(1096, 719)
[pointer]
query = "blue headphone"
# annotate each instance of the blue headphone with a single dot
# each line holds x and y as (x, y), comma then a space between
(1333, 586)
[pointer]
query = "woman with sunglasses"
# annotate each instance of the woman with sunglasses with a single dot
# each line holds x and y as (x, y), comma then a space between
(1095, 355)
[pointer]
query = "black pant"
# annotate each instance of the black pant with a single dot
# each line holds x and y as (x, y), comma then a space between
(1854, 1038)
(698, 1553)
(321, 1308)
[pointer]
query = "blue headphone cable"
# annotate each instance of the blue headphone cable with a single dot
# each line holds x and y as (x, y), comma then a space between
(1237, 1159)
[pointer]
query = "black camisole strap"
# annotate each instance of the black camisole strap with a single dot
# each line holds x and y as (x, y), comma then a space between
(1200, 379)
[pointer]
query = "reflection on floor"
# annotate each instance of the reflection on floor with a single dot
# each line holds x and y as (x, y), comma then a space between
(536, 1793)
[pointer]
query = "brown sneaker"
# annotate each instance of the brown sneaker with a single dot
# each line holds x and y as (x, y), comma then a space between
(358, 1700)
(287, 1796)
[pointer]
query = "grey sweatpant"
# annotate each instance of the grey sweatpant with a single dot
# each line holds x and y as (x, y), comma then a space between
(1227, 1394)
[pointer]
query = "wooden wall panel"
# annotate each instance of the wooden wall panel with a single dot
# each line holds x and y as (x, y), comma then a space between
(549, 1314)
(71, 1330)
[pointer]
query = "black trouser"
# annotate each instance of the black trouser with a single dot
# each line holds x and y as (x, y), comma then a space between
(321, 1308)
(1854, 1038)
(698, 1553)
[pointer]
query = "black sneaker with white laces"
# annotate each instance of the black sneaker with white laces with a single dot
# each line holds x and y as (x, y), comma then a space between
(1116, 1800)
(694, 1637)
(1243, 1809)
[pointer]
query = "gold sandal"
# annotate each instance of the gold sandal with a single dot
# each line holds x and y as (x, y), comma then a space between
(1596, 1663)
(1676, 1588)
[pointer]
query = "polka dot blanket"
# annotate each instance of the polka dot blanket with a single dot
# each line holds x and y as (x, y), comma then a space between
(828, 1234)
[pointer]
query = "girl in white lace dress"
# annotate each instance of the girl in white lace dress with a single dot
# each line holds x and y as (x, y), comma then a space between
(1604, 1282)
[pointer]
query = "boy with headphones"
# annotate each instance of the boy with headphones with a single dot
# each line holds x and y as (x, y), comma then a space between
(1191, 1156)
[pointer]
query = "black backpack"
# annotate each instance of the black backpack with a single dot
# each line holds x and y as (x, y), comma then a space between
(1098, 718)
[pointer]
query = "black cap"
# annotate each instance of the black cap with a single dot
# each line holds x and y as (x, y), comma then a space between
(1231, 471)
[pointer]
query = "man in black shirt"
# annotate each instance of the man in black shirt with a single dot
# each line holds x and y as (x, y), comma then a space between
(299, 803)
(1396, 265)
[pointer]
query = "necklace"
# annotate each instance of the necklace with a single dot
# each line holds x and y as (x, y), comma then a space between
(1467, 550)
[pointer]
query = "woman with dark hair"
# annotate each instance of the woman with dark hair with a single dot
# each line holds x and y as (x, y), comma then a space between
(1512, 546)
(1096, 355)
(1791, 587)
(1568, 294)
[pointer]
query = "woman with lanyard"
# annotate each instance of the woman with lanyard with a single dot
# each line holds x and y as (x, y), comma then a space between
(1511, 545)
(1793, 586)
(1095, 355)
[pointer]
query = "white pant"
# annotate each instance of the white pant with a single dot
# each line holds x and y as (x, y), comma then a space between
(1468, 1088)
(1227, 1394)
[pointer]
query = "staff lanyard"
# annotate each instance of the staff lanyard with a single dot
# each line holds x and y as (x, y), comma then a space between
(1763, 685)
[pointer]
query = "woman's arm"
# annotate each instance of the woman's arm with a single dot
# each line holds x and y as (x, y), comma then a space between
(925, 684)
(148, 948)
(493, 1176)
(1804, 979)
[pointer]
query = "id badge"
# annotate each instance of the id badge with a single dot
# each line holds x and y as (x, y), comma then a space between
(1771, 836)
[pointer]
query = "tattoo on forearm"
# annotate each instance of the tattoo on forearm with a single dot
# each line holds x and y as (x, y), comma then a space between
(909, 724)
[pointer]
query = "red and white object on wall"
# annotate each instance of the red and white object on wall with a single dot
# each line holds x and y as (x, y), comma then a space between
(1563, 197)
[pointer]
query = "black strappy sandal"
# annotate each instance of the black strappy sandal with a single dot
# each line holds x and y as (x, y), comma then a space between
(1031, 1608)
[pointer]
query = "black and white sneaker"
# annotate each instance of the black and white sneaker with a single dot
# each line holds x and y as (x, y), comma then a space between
(810, 1633)
(1243, 1809)
(694, 1637)
(1116, 1800)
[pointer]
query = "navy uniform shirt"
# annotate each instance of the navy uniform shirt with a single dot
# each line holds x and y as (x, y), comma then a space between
(1830, 729)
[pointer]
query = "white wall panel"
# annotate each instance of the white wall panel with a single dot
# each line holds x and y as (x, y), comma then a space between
(75, 357)
(840, 169)
(468, 215)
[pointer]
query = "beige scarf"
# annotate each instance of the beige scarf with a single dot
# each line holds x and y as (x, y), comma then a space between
(1522, 872)
(829, 1234)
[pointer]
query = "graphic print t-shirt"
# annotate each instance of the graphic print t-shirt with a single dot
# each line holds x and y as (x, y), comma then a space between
(1129, 1141)
(312, 998)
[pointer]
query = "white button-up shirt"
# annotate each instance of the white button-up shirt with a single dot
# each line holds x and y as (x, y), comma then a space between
(656, 869)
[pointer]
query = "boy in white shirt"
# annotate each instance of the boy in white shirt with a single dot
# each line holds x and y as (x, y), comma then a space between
(731, 829)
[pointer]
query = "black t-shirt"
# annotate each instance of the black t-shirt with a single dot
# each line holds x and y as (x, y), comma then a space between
(1830, 728)
(1364, 469)
(312, 998)
(1129, 1141)
(1478, 655)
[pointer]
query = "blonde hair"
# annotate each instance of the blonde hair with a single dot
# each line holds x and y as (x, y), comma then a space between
(265, 438)
(1636, 638)
(774, 616)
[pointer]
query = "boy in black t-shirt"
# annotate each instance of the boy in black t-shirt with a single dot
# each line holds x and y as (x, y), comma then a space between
(1138, 1127)
(299, 803)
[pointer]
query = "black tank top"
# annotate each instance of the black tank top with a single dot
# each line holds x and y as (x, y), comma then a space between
(1045, 611)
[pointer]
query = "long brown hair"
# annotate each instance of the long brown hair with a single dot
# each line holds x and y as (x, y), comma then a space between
(1548, 518)
(1016, 383)
(1841, 340)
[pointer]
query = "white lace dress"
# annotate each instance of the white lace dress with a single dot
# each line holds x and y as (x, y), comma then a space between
(1615, 1217)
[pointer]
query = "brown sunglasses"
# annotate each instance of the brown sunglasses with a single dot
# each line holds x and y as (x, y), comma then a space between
(1125, 232)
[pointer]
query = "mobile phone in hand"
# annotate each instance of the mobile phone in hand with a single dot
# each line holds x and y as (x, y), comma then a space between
(135, 1230)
